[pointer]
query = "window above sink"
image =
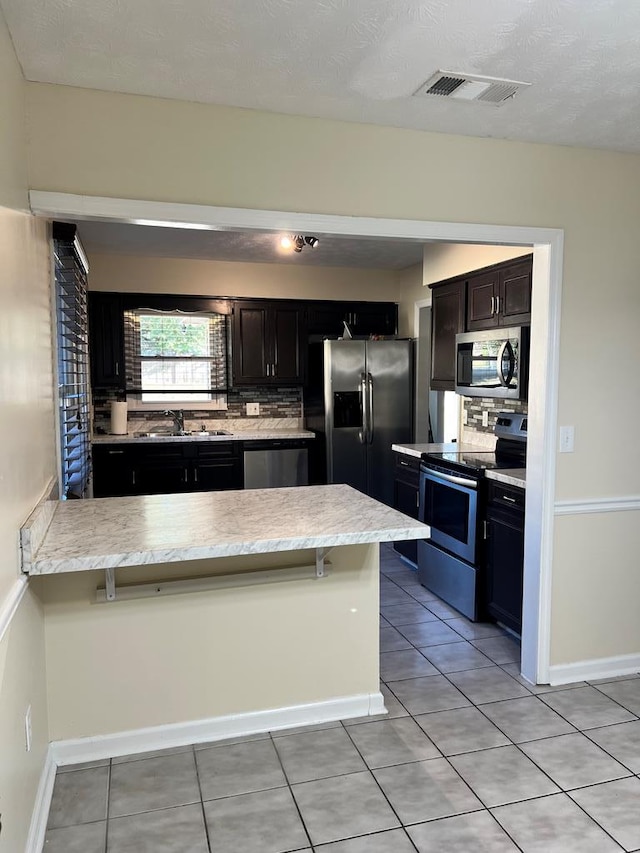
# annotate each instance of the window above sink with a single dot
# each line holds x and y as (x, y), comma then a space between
(176, 359)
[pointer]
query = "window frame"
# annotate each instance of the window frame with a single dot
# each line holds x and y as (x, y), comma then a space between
(218, 401)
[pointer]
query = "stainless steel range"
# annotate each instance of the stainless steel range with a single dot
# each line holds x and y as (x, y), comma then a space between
(451, 489)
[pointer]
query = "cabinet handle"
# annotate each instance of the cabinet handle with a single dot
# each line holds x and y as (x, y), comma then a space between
(268, 370)
(493, 305)
(186, 475)
(133, 478)
(117, 368)
(273, 370)
(485, 529)
(115, 452)
(507, 498)
(195, 475)
(497, 304)
(418, 499)
(406, 464)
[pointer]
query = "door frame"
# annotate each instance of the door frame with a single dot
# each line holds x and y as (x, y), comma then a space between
(547, 245)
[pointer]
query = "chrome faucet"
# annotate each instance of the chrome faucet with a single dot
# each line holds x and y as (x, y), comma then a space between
(178, 419)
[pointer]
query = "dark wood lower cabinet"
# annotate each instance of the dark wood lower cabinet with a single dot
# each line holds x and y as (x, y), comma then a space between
(505, 554)
(406, 491)
(156, 468)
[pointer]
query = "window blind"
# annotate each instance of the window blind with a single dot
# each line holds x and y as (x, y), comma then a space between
(73, 360)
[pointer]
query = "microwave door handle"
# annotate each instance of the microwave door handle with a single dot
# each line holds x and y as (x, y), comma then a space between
(512, 362)
(362, 434)
(369, 408)
(501, 352)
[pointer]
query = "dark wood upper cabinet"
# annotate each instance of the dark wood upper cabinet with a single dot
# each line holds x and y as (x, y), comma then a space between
(363, 318)
(481, 301)
(500, 295)
(447, 320)
(269, 343)
(106, 340)
(515, 293)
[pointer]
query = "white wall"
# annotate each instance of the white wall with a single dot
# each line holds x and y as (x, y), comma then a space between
(105, 144)
(136, 274)
(27, 458)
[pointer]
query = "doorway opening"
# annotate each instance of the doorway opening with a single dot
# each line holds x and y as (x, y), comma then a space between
(547, 246)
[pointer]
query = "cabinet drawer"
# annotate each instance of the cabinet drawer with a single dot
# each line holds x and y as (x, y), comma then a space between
(509, 497)
(218, 449)
(407, 469)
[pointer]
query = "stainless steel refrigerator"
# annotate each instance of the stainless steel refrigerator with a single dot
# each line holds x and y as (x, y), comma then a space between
(359, 401)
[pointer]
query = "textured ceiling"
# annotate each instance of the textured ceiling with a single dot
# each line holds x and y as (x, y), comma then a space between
(358, 60)
(252, 247)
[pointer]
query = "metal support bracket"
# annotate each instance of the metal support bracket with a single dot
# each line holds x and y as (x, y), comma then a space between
(321, 553)
(125, 592)
(110, 584)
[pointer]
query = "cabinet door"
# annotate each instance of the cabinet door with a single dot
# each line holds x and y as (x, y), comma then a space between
(405, 499)
(112, 471)
(325, 318)
(163, 477)
(447, 320)
(288, 345)
(210, 475)
(515, 293)
(374, 318)
(106, 340)
(505, 558)
(251, 353)
(482, 305)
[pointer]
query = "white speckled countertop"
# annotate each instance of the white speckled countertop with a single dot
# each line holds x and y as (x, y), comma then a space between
(105, 533)
(244, 435)
(448, 447)
(508, 476)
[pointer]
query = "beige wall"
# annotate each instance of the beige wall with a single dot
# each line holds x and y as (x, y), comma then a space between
(131, 273)
(27, 458)
(133, 664)
(83, 141)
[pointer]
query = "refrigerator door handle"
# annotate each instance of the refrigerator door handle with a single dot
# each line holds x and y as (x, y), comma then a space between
(369, 408)
(362, 435)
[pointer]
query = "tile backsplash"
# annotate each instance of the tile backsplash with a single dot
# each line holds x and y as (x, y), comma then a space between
(475, 406)
(275, 403)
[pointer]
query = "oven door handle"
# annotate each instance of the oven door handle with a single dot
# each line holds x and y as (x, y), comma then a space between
(451, 478)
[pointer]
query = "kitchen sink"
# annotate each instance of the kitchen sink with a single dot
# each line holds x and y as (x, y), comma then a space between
(167, 433)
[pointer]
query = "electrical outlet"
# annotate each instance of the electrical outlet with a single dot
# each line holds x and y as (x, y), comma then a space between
(27, 729)
(485, 418)
(253, 409)
(566, 439)
(465, 417)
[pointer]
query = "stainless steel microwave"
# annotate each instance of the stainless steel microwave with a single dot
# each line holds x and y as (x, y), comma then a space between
(494, 363)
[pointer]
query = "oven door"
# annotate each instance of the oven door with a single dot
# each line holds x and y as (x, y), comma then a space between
(449, 505)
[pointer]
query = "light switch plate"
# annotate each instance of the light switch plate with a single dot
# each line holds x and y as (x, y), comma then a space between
(253, 409)
(566, 439)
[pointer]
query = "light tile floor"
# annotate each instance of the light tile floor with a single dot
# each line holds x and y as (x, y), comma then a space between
(469, 758)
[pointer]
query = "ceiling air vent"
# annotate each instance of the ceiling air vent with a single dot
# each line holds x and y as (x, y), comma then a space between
(470, 87)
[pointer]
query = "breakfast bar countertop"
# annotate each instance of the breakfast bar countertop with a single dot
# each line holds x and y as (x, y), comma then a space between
(102, 533)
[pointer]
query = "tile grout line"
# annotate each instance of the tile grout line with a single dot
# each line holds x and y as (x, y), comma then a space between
(204, 816)
(272, 740)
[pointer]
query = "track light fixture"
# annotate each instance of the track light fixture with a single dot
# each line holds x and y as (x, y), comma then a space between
(297, 242)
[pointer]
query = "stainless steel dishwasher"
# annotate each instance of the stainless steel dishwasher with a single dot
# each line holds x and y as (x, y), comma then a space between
(275, 464)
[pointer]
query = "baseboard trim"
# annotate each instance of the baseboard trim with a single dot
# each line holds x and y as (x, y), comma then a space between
(588, 670)
(11, 603)
(215, 728)
(40, 813)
